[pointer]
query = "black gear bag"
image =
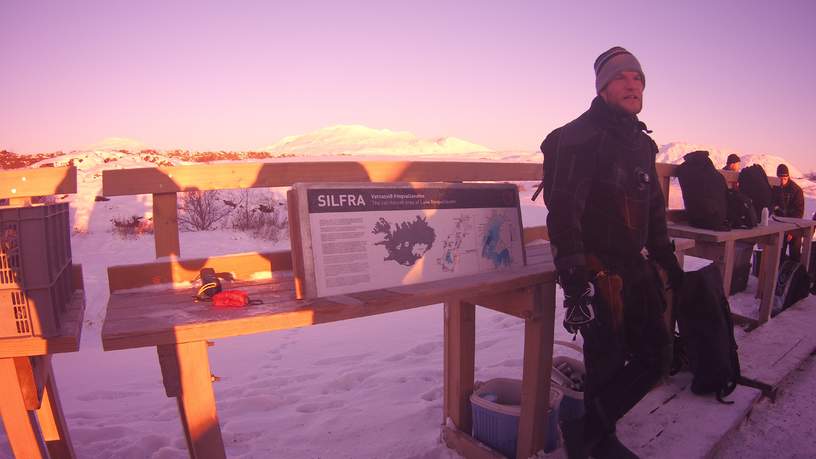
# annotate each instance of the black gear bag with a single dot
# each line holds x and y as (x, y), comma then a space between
(704, 192)
(707, 333)
(753, 182)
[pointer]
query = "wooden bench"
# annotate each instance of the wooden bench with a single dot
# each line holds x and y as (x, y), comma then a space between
(29, 400)
(168, 319)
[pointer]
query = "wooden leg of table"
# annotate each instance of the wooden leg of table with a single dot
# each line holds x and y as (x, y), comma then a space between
(728, 266)
(186, 368)
(52, 421)
(535, 386)
(21, 427)
(460, 348)
(770, 267)
(807, 237)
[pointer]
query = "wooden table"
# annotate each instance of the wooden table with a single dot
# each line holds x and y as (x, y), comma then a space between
(28, 386)
(719, 247)
(166, 318)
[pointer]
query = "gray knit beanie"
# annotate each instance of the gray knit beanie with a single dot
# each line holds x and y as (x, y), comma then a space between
(611, 63)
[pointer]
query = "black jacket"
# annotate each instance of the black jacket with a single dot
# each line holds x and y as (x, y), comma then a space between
(789, 201)
(601, 188)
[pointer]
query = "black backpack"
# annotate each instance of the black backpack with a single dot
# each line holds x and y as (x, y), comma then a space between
(704, 192)
(792, 285)
(753, 182)
(741, 212)
(707, 332)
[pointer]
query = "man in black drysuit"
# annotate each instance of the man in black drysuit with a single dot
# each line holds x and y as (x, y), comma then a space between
(605, 205)
(788, 200)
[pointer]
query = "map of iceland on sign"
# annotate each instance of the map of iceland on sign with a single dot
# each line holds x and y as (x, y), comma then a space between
(350, 237)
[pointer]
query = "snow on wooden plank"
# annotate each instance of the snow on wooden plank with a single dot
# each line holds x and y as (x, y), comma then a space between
(773, 350)
(672, 422)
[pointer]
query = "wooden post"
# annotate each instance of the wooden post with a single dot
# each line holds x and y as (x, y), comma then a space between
(52, 421)
(189, 366)
(771, 253)
(460, 347)
(21, 427)
(665, 184)
(807, 236)
(727, 266)
(538, 351)
(165, 225)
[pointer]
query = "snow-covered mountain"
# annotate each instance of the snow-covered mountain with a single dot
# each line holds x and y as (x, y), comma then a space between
(362, 140)
(673, 153)
(117, 144)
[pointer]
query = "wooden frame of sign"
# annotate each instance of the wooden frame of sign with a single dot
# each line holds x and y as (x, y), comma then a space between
(351, 237)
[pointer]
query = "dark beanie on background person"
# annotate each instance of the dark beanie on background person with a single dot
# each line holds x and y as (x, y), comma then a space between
(782, 171)
(613, 62)
(732, 158)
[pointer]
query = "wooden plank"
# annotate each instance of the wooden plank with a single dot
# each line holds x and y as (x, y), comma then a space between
(533, 233)
(77, 282)
(807, 236)
(32, 373)
(299, 263)
(466, 445)
(210, 324)
(16, 183)
(169, 365)
(771, 254)
(670, 170)
(665, 186)
(727, 265)
(202, 177)
(196, 402)
(21, 427)
(517, 303)
(52, 421)
(535, 396)
(459, 357)
(705, 235)
(165, 225)
(67, 340)
(240, 266)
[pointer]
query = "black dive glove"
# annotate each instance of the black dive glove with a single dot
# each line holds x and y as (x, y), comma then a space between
(666, 259)
(578, 293)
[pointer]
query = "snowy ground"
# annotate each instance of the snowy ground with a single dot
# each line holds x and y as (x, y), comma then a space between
(785, 428)
(369, 387)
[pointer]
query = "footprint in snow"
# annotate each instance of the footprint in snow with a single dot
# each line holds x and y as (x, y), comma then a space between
(319, 406)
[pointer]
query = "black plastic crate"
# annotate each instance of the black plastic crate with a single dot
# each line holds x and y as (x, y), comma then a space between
(35, 245)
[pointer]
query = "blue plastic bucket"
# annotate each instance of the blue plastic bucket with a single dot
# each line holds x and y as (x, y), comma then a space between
(496, 408)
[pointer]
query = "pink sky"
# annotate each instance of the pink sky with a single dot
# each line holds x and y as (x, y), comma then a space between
(241, 75)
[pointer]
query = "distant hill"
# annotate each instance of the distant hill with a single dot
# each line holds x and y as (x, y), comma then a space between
(673, 153)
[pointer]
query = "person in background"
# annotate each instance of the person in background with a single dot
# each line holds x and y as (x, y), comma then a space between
(789, 201)
(732, 163)
(605, 205)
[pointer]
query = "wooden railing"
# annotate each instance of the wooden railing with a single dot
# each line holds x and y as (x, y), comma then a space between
(164, 183)
(666, 171)
(20, 185)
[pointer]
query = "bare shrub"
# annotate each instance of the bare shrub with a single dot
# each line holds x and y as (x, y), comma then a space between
(201, 210)
(131, 227)
(245, 216)
(264, 216)
(274, 220)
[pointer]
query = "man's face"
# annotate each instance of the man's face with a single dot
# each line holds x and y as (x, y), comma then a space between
(734, 166)
(625, 92)
(784, 180)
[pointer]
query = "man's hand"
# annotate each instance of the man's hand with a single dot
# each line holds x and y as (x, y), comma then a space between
(578, 294)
